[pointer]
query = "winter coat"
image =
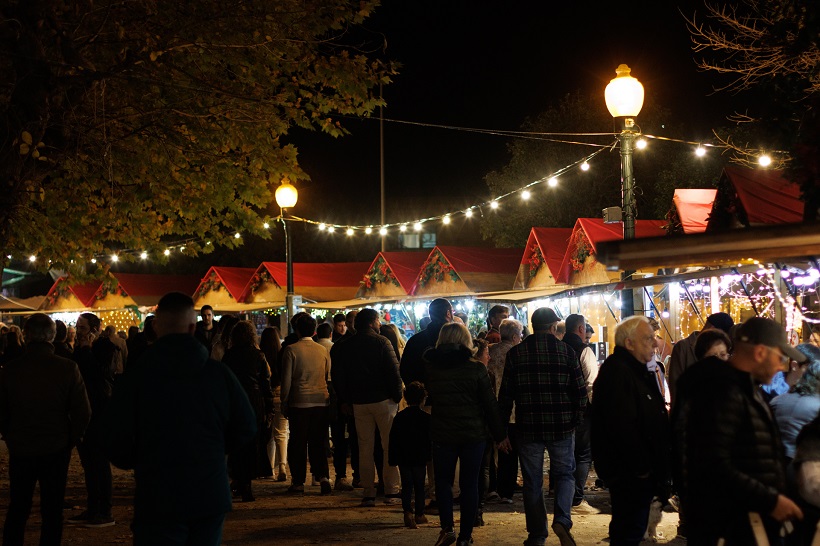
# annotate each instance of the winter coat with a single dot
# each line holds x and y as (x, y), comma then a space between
(410, 443)
(464, 405)
(364, 369)
(413, 367)
(251, 369)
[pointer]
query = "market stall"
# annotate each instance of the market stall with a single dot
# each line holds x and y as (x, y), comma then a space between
(221, 288)
(543, 255)
(391, 274)
(452, 271)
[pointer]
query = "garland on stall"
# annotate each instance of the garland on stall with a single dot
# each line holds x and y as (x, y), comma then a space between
(535, 260)
(211, 283)
(437, 268)
(261, 278)
(379, 273)
(110, 286)
(61, 290)
(582, 250)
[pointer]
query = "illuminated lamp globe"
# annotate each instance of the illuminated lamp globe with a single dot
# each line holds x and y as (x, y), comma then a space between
(286, 195)
(624, 94)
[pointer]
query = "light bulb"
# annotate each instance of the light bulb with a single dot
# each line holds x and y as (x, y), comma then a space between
(322, 227)
(552, 182)
(167, 252)
(445, 220)
(349, 231)
(93, 260)
(525, 195)
(417, 226)
(700, 151)
(640, 144)
(32, 258)
(383, 231)
(468, 213)
(403, 228)
(115, 258)
(584, 166)
(331, 229)
(143, 255)
(764, 160)
(266, 225)
(494, 205)
(236, 235)
(368, 231)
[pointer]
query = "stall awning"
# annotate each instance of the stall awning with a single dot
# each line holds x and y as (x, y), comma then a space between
(146, 290)
(694, 207)
(467, 270)
(355, 303)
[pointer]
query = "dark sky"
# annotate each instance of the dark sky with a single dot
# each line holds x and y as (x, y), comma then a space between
(490, 65)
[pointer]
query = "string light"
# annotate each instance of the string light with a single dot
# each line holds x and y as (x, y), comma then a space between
(368, 230)
(468, 213)
(331, 229)
(764, 160)
(403, 228)
(236, 235)
(445, 220)
(552, 182)
(383, 231)
(524, 195)
(417, 226)
(641, 143)
(584, 166)
(349, 232)
(32, 258)
(143, 255)
(494, 205)
(322, 227)
(93, 260)
(115, 258)
(700, 151)
(266, 225)
(167, 252)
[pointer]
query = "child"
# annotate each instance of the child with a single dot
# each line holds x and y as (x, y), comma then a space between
(410, 448)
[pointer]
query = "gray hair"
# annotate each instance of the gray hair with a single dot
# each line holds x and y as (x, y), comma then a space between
(510, 327)
(626, 329)
(40, 328)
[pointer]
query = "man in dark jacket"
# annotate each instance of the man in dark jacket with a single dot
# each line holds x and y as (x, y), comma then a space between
(631, 443)
(543, 378)
(365, 373)
(412, 361)
(43, 413)
(683, 352)
(172, 419)
(734, 470)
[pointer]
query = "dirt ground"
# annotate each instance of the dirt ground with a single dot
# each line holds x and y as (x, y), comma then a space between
(278, 518)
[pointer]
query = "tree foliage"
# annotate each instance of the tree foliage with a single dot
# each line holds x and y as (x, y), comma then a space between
(129, 123)
(658, 170)
(770, 48)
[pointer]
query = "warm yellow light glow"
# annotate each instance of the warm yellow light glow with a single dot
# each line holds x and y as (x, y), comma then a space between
(383, 231)
(266, 225)
(640, 144)
(624, 94)
(331, 229)
(236, 235)
(32, 258)
(417, 226)
(552, 182)
(167, 252)
(349, 231)
(368, 231)
(322, 227)
(494, 205)
(286, 195)
(700, 151)
(115, 258)
(468, 213)
(764, 160)
(584, 166)
(445, 220)
(93, 260)
(525, 195)
(403, 228)
(143, 255)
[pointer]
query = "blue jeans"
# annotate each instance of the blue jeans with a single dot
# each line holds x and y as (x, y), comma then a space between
(583, 456)
(444, 461)
(562, 466)
(206, 531)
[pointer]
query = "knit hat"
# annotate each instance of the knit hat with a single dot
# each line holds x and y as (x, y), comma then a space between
(721, 321)
(544, 316)
(767, 332)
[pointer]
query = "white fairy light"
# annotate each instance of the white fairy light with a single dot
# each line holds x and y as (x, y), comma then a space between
(764, 160)
(143, 255)
(322, 227)
(552, 182)
(494, 205)
(368, 230)
(584, 166)
(445, 220)
(417, 226)
(700, 151)
(383, 231)
(403, 228)
(349, 232)
(525, 195)
(641, 144)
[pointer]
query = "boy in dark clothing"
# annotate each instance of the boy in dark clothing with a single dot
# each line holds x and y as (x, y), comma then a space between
(410, 449)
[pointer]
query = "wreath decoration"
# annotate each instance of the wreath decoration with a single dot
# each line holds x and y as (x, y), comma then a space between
(61, 289)
(211, 283)
(437, 268)
(535, 260)
(582, 250)
(261, 278)
(111, 286)
(379, 273)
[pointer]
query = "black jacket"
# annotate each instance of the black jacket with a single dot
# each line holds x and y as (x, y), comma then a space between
(630, 426)
(252, 370)
(364, 369)
(410, 443)
(412, 359)
(734, 458)
(464, 407)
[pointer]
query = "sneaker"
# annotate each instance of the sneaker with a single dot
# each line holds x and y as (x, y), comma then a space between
(505, 500)
(99, 521)
(82, 517)
(446, 537)
(421, 519)
(342, 485)
(563, 534)
(584, 508)
(392, 499)
(296, 489)
(325, 485)
(409, 522)
(368, 502)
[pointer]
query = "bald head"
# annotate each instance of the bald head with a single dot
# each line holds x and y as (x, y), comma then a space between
(175, 315)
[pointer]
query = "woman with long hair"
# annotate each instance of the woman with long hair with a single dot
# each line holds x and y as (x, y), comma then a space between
(464, 408)
(249, 365)
(277, 447)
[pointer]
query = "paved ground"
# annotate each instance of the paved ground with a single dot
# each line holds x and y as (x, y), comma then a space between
(277, 518)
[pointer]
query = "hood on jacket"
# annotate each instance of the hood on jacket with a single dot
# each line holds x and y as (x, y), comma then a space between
(176, 354)
(448, 354)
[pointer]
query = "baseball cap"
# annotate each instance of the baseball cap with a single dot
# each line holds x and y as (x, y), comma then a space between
(721, 321)
(767, 332)
(544, 316)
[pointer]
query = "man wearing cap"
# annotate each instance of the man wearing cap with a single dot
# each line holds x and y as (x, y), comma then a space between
(683, 352)
(734, 479)
(630, 431)
(543, 378)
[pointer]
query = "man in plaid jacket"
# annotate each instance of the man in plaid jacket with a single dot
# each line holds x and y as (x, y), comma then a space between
(543, 377)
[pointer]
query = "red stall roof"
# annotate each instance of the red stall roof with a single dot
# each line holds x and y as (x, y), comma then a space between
(404, 265)
(694, 207)
(233, 278)
(596, 231)
(146, 290)
(481, 269)
(767, 197)
(309, 279)
(84, 292)
(553, 244)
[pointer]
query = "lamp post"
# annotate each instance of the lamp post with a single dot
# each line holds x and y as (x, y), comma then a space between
(286, 196)
(624, 99)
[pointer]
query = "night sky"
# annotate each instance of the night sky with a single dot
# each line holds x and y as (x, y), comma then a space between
(478, 64)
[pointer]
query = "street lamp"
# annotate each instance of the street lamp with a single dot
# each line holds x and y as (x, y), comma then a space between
(286, 197)
(624, 99)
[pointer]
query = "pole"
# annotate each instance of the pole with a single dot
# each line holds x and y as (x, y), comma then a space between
(627, 145)
(381, 163)
(289, 266)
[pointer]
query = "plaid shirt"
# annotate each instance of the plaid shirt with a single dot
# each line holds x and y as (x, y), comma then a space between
(543, 377)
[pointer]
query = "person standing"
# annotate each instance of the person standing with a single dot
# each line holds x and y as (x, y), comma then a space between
(249, 365)
(464, 409)
(631, 444)
(494, 317)
(683, 352)
(305, 397)
(172, 419)
(543, 378)
(734, 471)
(94, 355)
(366, 377)
(40, 422)
(339, 327)
(271, 345)
(206, 333)
(574, 337)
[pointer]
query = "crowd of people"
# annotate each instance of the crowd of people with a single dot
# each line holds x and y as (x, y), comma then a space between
(446, 417)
